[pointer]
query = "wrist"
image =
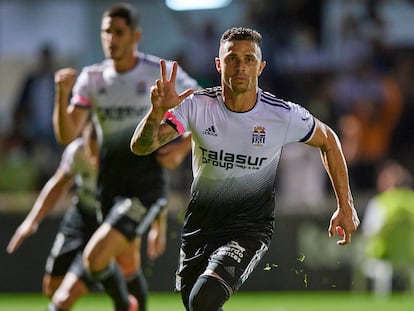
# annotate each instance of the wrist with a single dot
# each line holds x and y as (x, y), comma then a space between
(158, 112)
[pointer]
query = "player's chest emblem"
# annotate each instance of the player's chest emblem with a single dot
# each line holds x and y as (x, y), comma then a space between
(258, 136)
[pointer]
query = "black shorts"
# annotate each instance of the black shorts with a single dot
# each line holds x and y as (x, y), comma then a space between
(74, 232)
(232, 260)
(131, 218)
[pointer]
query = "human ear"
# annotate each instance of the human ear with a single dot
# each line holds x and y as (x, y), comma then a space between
(138, 35)
(218, 65)
(261, 67)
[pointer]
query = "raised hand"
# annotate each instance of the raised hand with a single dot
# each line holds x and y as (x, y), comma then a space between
(163, 93)
(64, 80)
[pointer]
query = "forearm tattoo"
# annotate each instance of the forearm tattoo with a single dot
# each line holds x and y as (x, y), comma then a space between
(154, 134)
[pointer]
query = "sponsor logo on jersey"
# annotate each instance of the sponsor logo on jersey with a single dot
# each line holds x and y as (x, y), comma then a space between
(119, 113)
(210, 131)
(228, 160)
(258, 136)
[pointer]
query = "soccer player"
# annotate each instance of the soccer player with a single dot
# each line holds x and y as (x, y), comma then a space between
(78, 168)
(238, 131)
(65, 278)
(117, 93)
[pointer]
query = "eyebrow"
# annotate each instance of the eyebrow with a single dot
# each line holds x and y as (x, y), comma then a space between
(243, 54)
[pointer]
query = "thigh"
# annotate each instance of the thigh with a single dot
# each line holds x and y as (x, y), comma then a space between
(193, 261)
(234, 261)
(231, 261)
(131, 217)
(129, 260)
(104, 246)
(125, 215)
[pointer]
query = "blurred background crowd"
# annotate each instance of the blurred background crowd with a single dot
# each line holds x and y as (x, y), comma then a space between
(350, 62)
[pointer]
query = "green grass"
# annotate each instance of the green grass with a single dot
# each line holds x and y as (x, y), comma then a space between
(243, 301)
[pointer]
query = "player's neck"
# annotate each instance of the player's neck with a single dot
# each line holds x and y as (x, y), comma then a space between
(125, 64)
(240, 102)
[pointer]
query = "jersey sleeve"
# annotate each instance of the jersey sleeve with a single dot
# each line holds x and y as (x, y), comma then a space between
(178, 116)
(301, 125)
(80, 96)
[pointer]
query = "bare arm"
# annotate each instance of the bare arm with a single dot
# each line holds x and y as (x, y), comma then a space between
(56, 187)
(344, 221)
(67, 120)
(157, 236)
(151, 133)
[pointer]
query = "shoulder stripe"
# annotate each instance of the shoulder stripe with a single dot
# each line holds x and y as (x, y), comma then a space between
(149, 59)
(271, 99)
(276, 103)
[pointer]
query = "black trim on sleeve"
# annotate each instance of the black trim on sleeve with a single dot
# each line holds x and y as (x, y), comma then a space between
(308, 136)
(172, 124)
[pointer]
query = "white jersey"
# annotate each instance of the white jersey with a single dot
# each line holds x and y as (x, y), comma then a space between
(235, 157)
(74, 163)
(119, 101)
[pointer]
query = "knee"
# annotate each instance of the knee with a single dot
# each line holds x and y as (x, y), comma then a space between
(104, 246)
(208, 294)
(128, 269)
(128, 263)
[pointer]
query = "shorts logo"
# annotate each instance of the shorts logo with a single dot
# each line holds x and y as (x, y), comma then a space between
(258, 136)
(232, 250)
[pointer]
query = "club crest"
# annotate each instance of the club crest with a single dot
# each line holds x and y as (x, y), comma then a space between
(258, 136)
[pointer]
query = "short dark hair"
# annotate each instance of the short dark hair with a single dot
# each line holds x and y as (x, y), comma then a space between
(126, 11)
(241, 33)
